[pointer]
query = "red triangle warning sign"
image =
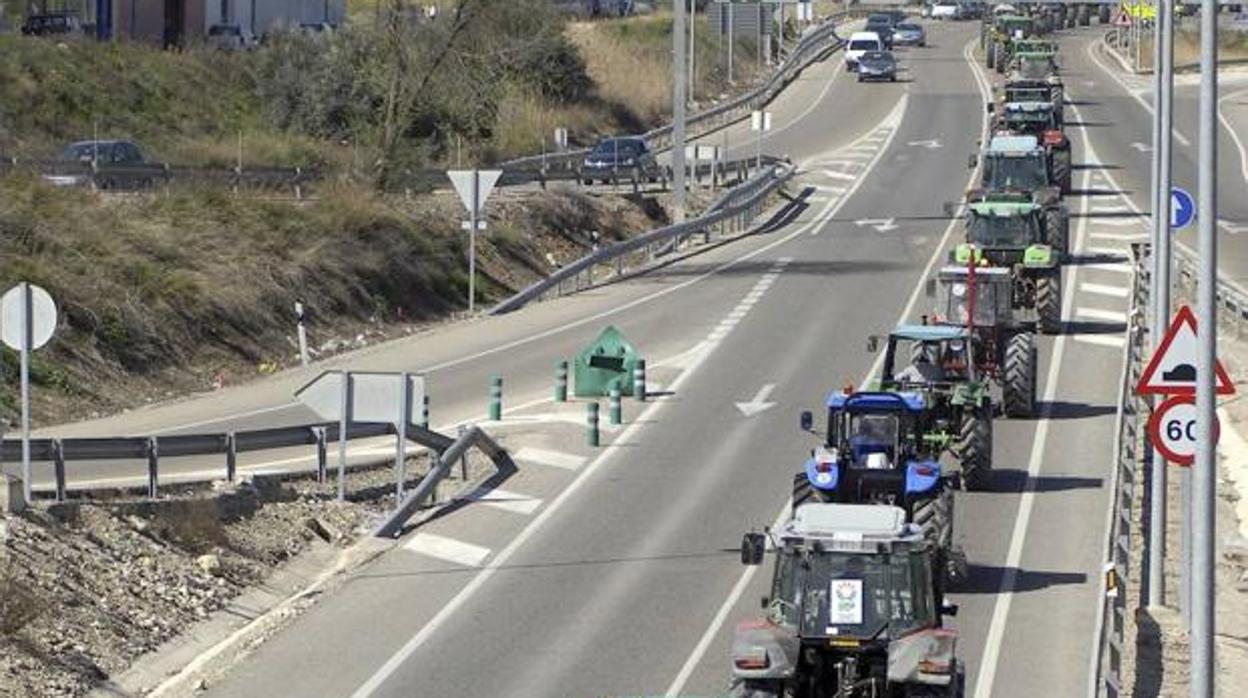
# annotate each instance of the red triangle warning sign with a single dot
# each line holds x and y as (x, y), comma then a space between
(1172, 370)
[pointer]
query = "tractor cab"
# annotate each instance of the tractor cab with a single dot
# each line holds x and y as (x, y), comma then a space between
(855, 609)
(993, 297)
(1000, 226)
(1015, 164)
(927, 356)
(1030, 118)
(1033, 65)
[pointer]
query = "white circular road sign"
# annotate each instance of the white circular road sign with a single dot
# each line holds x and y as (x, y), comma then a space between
(13, 308)
(1172, 429)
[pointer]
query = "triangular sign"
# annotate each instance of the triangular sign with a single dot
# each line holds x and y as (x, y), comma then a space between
(462, 179)
(1172, 370)
(1123, 20)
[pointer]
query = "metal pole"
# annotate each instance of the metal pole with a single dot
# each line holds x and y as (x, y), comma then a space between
(27, 331)
(1204, 476)
(678, 109)
(1162, 83)
(732, 39)
(344, 410)
(693, 49)
(405, 418)
(472, 241)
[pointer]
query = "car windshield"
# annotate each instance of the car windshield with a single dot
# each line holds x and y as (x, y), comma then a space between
(1000, 231)
(908, 27)
(1026, 94)
(864, 45)
(877, 57)
(623, 147)
(1027, 173)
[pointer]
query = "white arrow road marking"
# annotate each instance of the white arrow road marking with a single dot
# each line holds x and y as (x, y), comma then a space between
(881, 225)
(1142, 147)
(759, 403)
(930, 144)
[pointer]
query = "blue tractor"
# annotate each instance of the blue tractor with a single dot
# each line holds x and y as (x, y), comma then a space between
(877, 451)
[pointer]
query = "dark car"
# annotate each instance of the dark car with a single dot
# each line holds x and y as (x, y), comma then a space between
(109, 153)
(620, 158)
(877, 65)
(52, 23)
(882, 24)
(910, 35)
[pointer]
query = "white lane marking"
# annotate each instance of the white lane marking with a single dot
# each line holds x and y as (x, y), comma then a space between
(1120, 237)
(1101, 340)
(1119, 222)
(840, 175)
(704, 643)
(1098, 314)
(555, 459)
(1106, 251)
(647, 415)
(506, 500)
(1136, 94)
(1239, 144)
(1105, 290)
(834, 191)
(447, 549)
(1121, 268)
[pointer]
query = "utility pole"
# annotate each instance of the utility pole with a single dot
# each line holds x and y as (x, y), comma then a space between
(678, 109)
(693, 49)
(1163, 86)
(1204, 477)
(732, 39)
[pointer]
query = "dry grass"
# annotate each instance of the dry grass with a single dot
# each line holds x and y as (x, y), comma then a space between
(1232, 46)
(18, 604)
(526, 123)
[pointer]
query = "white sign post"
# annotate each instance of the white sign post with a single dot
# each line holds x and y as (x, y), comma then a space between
(760, 122)
(474, 187)
(302, 331)
(27, 321)
(368, 397)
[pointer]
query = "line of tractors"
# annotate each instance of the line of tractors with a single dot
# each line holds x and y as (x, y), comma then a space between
(862, 565)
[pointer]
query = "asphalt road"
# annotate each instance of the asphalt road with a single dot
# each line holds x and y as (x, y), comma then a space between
(623, 580)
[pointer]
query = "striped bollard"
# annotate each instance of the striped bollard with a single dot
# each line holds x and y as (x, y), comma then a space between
(496, 398)
(639, 380)
(561, 382)
(591, 424)
(615, 412)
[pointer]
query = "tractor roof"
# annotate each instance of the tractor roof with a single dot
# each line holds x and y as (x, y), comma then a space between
(929, 333)
(852, 527)
(876, 402)
(1002, 209)
(1013, 145)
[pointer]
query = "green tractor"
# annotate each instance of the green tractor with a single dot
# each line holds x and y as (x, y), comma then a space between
(1007, 231)
(999, 36)
(1033, 76)
(981, 299)
(1018, 166)
(937, 362)
(1038, 119)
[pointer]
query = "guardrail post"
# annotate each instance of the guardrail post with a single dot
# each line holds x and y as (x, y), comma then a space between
(153, 465)
(615, 412)
(298, 187)
(322, 454)
(463, 460)
(424, 412)
(639, 380)
(231, 457)
(58, 462)
(561, 382)
(591, 424)
(496, 398)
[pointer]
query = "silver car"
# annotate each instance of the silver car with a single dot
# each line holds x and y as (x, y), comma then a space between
(908, 34)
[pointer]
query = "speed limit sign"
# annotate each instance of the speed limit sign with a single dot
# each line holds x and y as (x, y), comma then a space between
(1172, 429)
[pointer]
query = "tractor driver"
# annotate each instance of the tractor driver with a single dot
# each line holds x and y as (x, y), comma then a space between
(953, 360)
(921, 370)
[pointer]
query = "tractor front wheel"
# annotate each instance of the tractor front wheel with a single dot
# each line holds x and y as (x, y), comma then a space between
(1049, 301)
(1056, 230)
(974, 446)
(756, 688)
(1019, 391)
(803, 491)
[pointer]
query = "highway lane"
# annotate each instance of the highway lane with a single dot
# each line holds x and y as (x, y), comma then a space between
(615, 588)
(1116, 108)
(459, 359)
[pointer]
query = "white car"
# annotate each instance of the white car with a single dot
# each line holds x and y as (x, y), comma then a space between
(946, 10)
(860, 43)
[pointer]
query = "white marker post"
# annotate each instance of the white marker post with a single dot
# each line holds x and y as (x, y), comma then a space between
(760, 122)
(27, 321)
(302, 332)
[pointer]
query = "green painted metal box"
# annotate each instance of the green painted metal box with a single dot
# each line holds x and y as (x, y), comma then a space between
(609, 360)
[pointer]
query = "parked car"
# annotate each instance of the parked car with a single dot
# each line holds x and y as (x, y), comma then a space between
(910, 35)
(877, 65)
(859, 44)
(620, 158)
(52, 23)
(230, 37)
(882, 24)
(945, 9)
(101, 153)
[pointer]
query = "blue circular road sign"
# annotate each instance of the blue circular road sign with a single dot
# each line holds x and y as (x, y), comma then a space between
(1182, 208)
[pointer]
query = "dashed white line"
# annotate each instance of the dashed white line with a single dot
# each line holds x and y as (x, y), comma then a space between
(1098, 314)
(1116, 268)
(447, 549)
(555, 459)
(1106, 251)
(1119, 222)
(1101, 340)
(840, 175)
(1105, 290)
(507, 501)
(1120, 237)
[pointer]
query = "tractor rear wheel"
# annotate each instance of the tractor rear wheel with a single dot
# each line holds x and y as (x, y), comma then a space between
(1019, 391)
(1061, 169)
(1049, 301)
(974, 446)
(1103, 14)
(803, 491)
(1085, 16)
(999, 58)
(990, 55)
(1056, 231)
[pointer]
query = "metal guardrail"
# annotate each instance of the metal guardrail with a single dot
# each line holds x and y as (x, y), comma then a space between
(810, 48)
(1124, 488)
(733, 211)
(228, 445)
(1232, 300)
(141, 176)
